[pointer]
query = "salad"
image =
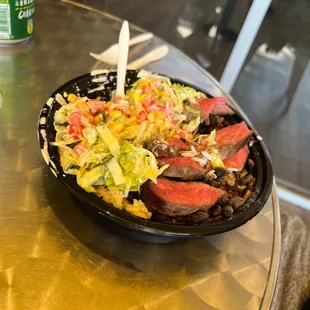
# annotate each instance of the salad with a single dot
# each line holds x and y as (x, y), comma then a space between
(109, 145)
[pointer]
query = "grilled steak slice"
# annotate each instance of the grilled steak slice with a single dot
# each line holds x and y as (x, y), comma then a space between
(238, 160)
(215, 106)
(179, 198)
(174, 142)
(182, 167)
(222, 107)
(171, 148)
(231, 139)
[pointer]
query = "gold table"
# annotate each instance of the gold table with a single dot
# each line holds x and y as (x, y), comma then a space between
(57, 255)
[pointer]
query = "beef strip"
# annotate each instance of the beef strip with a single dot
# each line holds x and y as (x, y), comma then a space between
(179, 198)
(182, 167)
(231, 139)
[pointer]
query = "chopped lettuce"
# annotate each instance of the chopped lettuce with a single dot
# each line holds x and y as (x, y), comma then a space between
(89, 178)
(90, 134)
(109, 139)
(139, 165)
(116, 172)
(193, 124)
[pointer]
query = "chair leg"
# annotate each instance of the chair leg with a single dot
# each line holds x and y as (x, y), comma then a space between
(299, 67)
(245, 40)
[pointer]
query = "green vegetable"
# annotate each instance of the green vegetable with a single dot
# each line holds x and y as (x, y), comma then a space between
(193, 124)
(184, 92)
(115, 172)
(109, 139)
(139, 165)
(90, 134)
(130, 132)
(89, 178)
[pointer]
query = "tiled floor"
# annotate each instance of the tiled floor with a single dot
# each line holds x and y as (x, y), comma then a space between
(266, 82)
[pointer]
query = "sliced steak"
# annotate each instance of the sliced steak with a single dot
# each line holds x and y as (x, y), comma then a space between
(238, 160)
(175, 142)
(222, 107)
(231, 139)
(179, 198)
(183, 168)
(214, 106)
(170, 148)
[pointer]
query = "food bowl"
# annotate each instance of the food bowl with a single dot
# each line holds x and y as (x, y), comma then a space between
(91, 86)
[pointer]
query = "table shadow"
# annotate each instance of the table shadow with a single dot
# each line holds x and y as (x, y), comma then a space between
(105, 238)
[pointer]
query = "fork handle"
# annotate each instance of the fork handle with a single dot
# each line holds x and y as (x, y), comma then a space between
(140, 38)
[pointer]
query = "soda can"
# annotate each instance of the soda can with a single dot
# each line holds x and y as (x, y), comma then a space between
(16, 20)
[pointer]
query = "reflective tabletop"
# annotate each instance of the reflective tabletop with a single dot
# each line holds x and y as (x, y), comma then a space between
(55, 253)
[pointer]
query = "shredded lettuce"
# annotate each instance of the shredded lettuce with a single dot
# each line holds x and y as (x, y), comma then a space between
(109, 139)
(90, 134)
(193, 124)
(139, 165)
(105, 148)
(87, 180)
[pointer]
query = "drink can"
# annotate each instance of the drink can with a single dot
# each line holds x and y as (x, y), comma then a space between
(16, 20)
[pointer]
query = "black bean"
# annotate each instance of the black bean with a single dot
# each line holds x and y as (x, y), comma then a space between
(220, 120)
(243, 174)
(236, 202)
(251, 184)
(247, 195)
(241, 188)
(215, 183)
(228, 211)
(247, 179)
(162, 218)
(223, 200)
(232, 193)
(200, 216)
(237, 174)
(251, 163)
(220, 172)
(216, 211)
(205, 180)
(230, 179)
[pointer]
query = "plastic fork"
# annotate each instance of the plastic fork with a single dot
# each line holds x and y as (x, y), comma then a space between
(123, 46)
(110, 55)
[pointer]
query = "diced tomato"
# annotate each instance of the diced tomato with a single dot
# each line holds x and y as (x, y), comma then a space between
(183, 134)
(96, 106)
(151, 105)
(75, 119)
(141, 117)
(169, 111)
(122, 108)
(75, 131)
(80, 149)
(146, 89)
(117, 99)
(157, 83)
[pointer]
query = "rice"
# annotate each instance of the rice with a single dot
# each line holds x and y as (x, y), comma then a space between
(211, 175)
(194, 150)
(201, 161)
(188, 154)
(230, 170)
(207, 155)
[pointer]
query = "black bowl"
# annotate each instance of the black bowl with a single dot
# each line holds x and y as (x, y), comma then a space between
(144, 229)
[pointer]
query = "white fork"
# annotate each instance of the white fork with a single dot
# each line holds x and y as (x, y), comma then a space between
(110, 55)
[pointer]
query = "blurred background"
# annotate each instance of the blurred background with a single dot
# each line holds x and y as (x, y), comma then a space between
(272, 84)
